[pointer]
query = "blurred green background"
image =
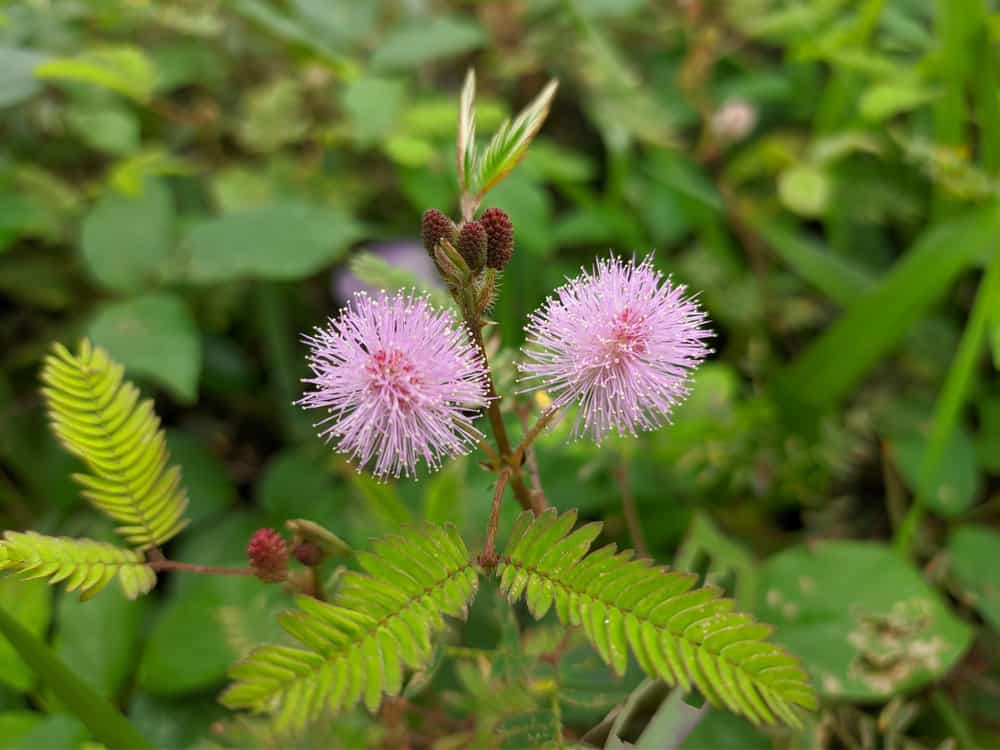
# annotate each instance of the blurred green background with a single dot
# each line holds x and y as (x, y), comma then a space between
(187, 183)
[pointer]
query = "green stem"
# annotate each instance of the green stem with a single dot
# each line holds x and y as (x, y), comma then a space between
(954, 720)
(951, 401)
(521, 491)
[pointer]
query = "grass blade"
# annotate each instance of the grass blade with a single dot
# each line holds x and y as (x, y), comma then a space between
(839, 359)
(106, 724)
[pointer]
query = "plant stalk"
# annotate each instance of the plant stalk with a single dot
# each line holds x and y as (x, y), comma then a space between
(521, 491)
(489, 557)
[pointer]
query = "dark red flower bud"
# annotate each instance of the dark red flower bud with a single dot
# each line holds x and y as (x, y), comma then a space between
(308, 553)
(268, 555)
(500, 237)
(435, 227)
(472, 244)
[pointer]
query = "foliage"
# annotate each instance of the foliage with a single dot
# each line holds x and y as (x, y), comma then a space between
(97, 416)
(190, 185)
(81, 564)
(683, 635)
(381, 622)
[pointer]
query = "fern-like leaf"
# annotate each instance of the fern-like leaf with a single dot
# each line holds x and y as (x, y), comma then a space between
(97, 416)
(357, 647)
(509, 144)
(83, 564)
(684, 635)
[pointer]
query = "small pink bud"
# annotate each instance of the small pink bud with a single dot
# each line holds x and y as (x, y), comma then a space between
(268, 555)
(434, 228)
(500, 237)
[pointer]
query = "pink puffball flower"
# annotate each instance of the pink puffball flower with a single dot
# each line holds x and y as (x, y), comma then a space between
(620, 342)
(400, 381)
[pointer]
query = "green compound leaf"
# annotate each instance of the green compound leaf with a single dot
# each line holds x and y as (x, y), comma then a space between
(357, 647)
(82, 564)
(97, 416)
(509, 144)
(684, 635)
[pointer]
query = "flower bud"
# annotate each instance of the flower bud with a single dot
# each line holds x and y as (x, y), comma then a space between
(499, 236)
(454, 270)
(308, 554)
(472, 244)
(434, 228)
(308, 532)
(268, 555)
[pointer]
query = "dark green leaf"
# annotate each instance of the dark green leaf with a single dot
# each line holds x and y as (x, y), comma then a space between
(281, 241)
(125, 241)
(154, 336)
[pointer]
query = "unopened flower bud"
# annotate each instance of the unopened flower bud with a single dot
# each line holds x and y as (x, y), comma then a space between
(308, 553)
(472, 244)
(308, 532)
(499, 237)
(734, 120)
(434, 228)
(268, 555)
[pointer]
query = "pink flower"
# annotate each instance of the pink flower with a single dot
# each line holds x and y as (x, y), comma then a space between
(621, 342)
(399, 381)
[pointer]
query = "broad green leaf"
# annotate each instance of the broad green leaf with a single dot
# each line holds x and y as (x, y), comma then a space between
(30, 604)
(18, 81)
(958, 481)
(209, 486)
(108, 126)
(54, 731)
(102, 719)
(99, 639)
(409, 150)
(154, 336)
(381, 499)
(14, 725)
(174, 723)
(188, 649)
(126, 240)
(373, 105)
(429, 38)
(882, 101)
(871, 328)
(285, 241)
(865, 623)
(298, 484)
(123, 69)
(974, 551)
(721, 730)
(294, 34)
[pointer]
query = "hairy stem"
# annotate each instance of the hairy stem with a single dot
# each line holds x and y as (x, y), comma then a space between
(164, 564)
(489, 557)
(531, 461)
(623, 478)
(521, 491)
(544, 420)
